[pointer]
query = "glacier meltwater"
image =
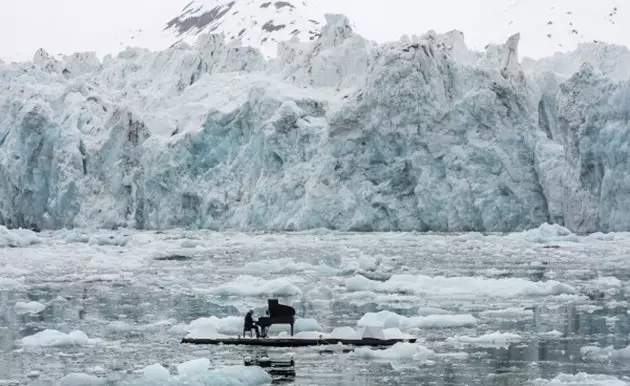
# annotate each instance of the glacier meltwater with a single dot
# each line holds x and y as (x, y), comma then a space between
(339, 132)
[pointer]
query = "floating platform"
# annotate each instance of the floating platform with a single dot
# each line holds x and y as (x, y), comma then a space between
(272, 342)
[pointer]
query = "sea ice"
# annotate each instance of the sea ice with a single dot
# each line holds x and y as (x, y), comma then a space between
(22, 308)
(496, 339)
(399, 351)
(54, 338)
(80, 379)
(255, 286)
(459, 286)
(388, 319)
(156, 373)
(582, 379)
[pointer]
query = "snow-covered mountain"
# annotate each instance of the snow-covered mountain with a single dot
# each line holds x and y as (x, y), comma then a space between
(337, 132)
(256, 23)
(108, 27)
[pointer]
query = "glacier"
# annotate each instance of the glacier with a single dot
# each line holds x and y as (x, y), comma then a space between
(420, 134)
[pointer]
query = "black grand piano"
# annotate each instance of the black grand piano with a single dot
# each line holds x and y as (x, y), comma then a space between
(276, 314)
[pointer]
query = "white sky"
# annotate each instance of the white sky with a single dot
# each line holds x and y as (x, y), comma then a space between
(66, 26)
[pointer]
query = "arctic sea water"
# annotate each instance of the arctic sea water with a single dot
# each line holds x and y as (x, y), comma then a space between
(93, 307)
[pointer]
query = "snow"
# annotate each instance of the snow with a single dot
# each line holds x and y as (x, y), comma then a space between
(106, 30)
(338, 133)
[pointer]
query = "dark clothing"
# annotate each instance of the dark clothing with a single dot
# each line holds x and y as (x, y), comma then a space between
(249, 321)
(250, 325)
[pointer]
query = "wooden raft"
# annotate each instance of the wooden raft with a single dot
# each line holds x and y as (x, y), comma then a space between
(296, 342)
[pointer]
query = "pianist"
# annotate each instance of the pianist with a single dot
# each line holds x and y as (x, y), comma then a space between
(250, 324)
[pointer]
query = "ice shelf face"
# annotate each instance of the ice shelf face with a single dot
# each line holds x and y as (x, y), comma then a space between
(337, 132)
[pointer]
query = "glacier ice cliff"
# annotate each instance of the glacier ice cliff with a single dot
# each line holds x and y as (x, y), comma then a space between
(340, 132)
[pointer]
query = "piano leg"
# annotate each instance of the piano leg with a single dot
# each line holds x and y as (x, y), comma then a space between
(291, 329)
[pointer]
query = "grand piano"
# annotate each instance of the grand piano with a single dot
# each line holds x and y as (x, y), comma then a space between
(277, 314)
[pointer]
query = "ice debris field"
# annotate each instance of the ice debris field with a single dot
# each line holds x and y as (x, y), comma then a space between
(541, 307)
(340, 132)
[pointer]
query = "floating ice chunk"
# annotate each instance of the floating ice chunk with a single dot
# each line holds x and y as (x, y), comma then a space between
(496, 339)
(547, 233)
(80, 379)
(599, 236)
(369, 263)
(122, 327)
(53, 338)
(193, 367)
(301, 325)
(283, 266)
(582, 379)
(22, 308)
(388, 319)
(551, 334)
(306, 324)
(254, 286)
(508, 313)
(232, 376)
(402, 350)
(395, 333)
(196, 372)
(17, 238)
(622, 353)
(156, 373)
(598, 354)
(345, 333)
(606, 282)
(213, 327)
(459, 286)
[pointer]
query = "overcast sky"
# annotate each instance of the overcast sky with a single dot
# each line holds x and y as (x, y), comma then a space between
(65, 26)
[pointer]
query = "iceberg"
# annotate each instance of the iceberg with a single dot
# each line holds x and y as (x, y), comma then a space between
(338, 132)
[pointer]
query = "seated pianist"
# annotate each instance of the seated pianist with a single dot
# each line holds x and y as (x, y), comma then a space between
(250, 324)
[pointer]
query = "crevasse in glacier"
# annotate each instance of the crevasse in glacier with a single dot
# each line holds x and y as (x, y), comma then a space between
(341, 132)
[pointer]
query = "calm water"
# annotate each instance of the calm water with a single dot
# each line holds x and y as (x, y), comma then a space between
(129, 298)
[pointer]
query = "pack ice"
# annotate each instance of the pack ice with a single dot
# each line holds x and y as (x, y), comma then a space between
(339, 132)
